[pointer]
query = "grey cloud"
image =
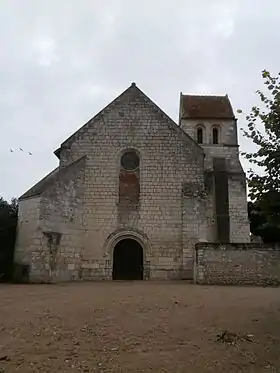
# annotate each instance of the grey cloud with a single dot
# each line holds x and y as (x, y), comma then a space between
(62, 61)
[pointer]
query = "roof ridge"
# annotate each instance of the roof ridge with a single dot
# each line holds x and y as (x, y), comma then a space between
(100, 113)
(203, 95)
(175, 125)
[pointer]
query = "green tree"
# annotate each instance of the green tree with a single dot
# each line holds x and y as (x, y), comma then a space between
(264, 180)
(8, 224)
(260, 222)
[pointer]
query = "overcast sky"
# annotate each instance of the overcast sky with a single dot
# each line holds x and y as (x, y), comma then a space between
(64, 60)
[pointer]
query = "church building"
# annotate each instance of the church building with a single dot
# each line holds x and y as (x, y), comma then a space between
(134, 192)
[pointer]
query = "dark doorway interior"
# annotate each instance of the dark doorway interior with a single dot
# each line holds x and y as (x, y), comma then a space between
(128, 260)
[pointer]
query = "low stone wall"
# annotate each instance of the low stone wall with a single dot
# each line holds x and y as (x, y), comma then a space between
(237, 264)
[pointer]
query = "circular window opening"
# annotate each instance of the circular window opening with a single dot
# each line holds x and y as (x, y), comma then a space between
(130, 161)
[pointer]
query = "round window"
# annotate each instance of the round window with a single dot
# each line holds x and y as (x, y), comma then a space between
(130, 161)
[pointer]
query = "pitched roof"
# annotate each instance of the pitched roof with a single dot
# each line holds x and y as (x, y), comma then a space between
(44, 183)
(195, 106)
(131, 90)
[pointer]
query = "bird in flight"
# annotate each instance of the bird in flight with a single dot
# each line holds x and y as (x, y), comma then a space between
(20, 149)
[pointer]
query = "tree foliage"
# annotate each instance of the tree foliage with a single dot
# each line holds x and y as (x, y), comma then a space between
(8, 224)
(264, 181)
(260, 222)
(264, 131)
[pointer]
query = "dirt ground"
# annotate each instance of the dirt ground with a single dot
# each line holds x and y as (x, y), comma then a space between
(137, 327)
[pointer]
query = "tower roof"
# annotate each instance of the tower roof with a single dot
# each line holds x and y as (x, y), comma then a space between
(196, 106)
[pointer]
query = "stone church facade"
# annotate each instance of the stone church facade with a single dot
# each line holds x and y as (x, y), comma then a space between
(134, 192)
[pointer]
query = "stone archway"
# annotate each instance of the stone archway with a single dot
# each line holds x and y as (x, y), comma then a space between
(127, 234)
(128, 260)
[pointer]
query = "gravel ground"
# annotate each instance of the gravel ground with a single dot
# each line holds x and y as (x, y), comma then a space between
(138, 327)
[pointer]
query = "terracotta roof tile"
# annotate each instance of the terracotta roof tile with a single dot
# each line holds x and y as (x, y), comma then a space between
(193, 106)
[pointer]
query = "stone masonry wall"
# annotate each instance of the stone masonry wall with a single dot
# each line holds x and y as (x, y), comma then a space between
(28, 231)
(50, 229)
(237, 264)
(227, 149)
(61, 223)
(168, 159)
(227, 129)
(238, 210)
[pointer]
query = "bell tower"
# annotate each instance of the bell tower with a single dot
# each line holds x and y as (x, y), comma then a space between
(210, 121)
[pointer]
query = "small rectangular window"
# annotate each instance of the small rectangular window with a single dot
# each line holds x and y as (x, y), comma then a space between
(199, 135)
(215, 135)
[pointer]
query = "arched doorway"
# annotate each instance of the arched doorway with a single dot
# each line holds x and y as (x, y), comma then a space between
(128, 260)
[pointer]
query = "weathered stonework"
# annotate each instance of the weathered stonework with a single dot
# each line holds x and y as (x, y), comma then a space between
(237, 264)
(166, 204)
